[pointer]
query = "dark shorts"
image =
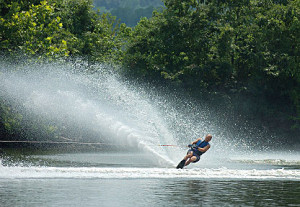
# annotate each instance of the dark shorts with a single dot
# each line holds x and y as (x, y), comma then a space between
(194, 154)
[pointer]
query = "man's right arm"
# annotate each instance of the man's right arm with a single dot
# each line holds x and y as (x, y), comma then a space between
(194, 142)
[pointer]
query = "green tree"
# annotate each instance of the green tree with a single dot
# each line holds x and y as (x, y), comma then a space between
(98, 37)
(37, 31)
(181, 44)
(250, 47)
(59, 29)
(54, 29)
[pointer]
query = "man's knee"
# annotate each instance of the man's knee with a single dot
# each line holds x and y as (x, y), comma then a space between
(193, 159)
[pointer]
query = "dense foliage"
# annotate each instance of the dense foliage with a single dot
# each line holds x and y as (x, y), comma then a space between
(237, 47)
(245, 50)
(52, 30)
(129, 11)
(58, 29)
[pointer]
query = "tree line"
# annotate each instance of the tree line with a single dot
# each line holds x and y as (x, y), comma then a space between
(238, 50)
(129, 11)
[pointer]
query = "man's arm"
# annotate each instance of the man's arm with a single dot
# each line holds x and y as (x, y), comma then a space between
(204, 149)
(194, 142)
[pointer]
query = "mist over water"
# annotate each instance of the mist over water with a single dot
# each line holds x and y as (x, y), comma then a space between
(95, 104)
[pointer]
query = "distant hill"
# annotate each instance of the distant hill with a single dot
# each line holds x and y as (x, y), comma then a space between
(128, 11)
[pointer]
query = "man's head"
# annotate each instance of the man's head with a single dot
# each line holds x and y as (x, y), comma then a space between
(208, 137)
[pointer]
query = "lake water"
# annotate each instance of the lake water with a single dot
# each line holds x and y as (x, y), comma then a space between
(133, 179)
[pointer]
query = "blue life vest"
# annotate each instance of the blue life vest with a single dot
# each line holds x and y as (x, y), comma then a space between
(200, 144)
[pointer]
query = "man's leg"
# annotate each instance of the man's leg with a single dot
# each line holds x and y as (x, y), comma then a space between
(192, 159)
(188, 155)
(182, 163)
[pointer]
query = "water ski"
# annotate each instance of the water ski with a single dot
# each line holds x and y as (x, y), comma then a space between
(181, 164)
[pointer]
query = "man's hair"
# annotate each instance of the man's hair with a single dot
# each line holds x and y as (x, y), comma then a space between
(209, 135)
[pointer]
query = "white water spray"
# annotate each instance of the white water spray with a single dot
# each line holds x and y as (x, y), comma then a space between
(116, 113)
(100, 107)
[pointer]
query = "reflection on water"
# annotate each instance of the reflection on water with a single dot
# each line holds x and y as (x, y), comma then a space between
(148, 192)
(234, 192)
(131, 179)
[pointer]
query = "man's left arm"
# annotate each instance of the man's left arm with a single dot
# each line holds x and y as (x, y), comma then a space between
(204, 149)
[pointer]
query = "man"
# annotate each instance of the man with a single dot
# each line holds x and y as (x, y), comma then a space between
(198, 147)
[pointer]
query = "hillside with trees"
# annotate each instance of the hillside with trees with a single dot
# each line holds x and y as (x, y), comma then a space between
(245, 50)
(243, 55)
(129, 11)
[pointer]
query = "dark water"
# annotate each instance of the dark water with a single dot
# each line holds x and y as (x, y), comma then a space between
(105, 179)
(151, 192)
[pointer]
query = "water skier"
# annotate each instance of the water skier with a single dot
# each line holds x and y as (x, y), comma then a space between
(198, 147)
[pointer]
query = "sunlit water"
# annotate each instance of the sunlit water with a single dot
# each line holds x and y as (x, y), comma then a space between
(134, 179)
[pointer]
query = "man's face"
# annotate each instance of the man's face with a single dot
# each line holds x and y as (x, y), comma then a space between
(208, 138)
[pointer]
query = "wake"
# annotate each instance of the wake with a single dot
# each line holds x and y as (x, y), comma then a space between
(144, 173)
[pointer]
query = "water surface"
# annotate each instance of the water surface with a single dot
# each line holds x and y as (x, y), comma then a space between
(133, 179)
